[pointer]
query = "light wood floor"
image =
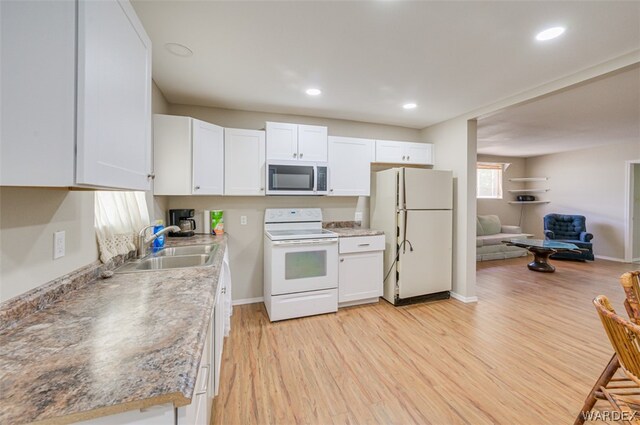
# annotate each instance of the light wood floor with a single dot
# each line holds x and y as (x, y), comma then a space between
(527, 353)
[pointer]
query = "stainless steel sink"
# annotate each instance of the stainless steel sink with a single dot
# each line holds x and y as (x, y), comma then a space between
(186, 250)
(172, 258)
(158, 263)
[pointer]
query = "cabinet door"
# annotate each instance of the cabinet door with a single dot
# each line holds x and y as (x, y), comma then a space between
(360, 276)
(312, 143)
(350, 166)
(282, 141)
(172, 155)
(114, 97)
(38, 96)
(244, 162)
(419, 153)
(208, 158)
(388, 151)
(218, 335)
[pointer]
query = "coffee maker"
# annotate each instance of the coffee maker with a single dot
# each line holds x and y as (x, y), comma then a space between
(184, 220)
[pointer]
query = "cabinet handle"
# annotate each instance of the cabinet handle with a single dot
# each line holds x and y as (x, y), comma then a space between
(261, 189)
(403, 157)
(224, 290)
(408, 157)
(330, 190)
(197, 188)
(364, 244)
(151, 176)
(301, 155)
(342, 260)
(295, 155)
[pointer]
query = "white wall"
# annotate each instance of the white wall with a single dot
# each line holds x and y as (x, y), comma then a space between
(589, 182)
(509, 214)
(28, 219)
(636, 213)
(455, 149)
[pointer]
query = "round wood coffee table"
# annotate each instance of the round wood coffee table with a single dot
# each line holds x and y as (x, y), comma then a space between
(541, 250)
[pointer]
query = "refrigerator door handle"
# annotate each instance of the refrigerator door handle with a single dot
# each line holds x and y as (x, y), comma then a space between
(404, 242)
(404, 192)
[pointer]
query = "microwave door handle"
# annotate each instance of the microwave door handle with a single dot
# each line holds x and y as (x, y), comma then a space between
(314, 180)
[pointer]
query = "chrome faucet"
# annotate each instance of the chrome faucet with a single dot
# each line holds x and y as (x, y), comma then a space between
(143, 242)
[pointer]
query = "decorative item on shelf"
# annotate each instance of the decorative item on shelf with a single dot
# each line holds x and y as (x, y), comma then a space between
(525, 198)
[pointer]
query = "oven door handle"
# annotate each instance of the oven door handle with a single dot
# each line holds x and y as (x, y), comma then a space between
(300, 242)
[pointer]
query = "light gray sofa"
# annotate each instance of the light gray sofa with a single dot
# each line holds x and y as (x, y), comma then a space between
(489, 236)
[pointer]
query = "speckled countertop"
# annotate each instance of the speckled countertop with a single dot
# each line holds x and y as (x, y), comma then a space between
(127, 342)
(348, 229)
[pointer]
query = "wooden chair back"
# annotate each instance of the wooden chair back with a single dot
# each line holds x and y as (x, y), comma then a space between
(624, 337)
(631, 284)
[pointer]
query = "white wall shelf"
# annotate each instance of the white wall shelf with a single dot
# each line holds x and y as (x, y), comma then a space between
(529, 202)
(528, 179)
(528, 190)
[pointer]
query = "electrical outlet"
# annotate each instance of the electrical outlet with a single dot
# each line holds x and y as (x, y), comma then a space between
(243, 220)
(358, 216)
(58, 244)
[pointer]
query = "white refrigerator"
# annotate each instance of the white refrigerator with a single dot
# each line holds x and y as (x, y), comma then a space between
(413, 207)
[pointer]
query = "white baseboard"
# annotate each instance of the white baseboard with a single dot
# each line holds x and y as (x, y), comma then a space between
(603, 257)
(636, 260)
(463, 298)
(248, 301)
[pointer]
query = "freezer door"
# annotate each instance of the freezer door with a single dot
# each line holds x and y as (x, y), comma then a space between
(422, 189)
(426, 269)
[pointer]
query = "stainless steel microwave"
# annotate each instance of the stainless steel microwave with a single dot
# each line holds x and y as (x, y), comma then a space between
(297, 178)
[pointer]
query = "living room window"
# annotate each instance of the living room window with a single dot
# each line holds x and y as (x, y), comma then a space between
(489, 180)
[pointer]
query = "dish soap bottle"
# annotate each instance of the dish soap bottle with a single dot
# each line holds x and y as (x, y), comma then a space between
(158, 243)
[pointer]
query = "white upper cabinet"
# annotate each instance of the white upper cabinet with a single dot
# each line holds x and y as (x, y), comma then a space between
(282, 141)
(208, 158)
(48, 140)
(188, 156)
(419, 153)
(114, 96)
(350, 166)
(244, 162)
(292, 142)
(392, 152)
(404, 152)
(312, 143)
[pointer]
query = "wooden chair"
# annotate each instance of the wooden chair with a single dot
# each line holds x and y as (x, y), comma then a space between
(631, 284)
(625, 339)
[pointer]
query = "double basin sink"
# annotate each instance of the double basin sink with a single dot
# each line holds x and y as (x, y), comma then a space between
(172, 258)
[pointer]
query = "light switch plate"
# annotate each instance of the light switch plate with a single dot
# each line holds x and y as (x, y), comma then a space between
(58, 244)
(358, 216)
(243, 220)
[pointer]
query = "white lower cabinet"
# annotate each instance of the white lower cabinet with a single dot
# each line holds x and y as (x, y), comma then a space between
(360, 270)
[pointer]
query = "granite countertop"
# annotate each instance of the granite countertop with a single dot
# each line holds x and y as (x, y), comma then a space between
(349, 229)
(122, 343)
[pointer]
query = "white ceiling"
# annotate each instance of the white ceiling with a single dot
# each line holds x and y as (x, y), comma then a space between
(600, 112)
(371, 57)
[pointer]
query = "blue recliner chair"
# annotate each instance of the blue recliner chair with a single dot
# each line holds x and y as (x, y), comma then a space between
(569, 229)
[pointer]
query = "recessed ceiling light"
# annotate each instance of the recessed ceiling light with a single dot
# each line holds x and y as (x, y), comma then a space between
(409, 106)
(179, 50)
(550, 33)
(314, 92)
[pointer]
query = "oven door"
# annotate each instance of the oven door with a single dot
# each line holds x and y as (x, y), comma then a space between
(291, 178)
(304, 265)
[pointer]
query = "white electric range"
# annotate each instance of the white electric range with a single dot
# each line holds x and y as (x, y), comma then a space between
(300, 264)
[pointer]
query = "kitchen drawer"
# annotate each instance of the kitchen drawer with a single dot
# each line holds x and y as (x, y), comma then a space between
(303, 304)
(362, 244)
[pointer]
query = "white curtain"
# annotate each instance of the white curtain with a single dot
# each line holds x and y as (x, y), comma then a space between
(119, 218)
